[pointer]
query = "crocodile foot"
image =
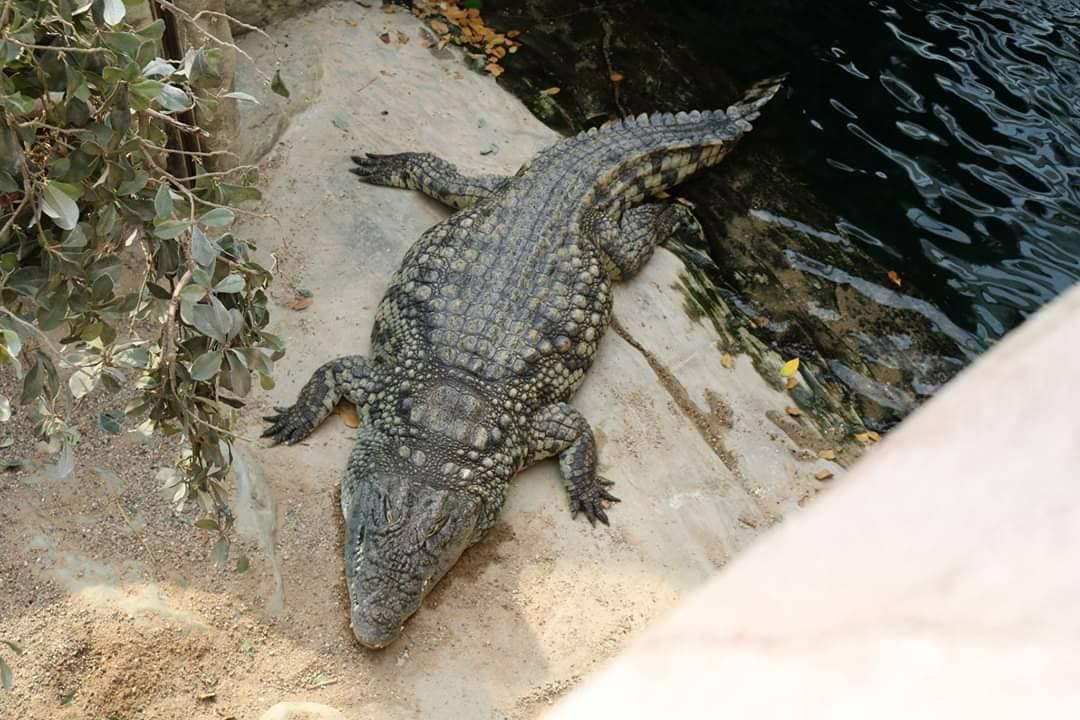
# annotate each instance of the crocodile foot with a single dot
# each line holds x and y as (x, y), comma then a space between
(591, 501)
(289, 425)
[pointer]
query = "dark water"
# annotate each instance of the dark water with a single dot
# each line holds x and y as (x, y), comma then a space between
(940, 141)
(946, 135)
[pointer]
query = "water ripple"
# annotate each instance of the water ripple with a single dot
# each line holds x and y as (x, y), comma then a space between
(967, 149)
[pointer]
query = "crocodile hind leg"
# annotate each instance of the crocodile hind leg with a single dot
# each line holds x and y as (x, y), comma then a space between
(430, 175)
(628, 244)
(351, 376)
(562, 430)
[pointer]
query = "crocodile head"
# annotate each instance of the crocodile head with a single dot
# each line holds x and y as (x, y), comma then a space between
(401, 537)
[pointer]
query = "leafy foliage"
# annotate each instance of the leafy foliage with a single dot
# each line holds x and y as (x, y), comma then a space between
(117, 272)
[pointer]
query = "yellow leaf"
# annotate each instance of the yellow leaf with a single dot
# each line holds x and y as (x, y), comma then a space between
(874, 437)
(513, 33)
(347, 412)
(867, 437)
(727, 360)
(791, 383)
(550, 91)
(494, 69)
(513, 49)
(793, 411)
(827, 454)
(439, 27)
(790, 368)
(823, 474)
(895, 277)
(616, 77)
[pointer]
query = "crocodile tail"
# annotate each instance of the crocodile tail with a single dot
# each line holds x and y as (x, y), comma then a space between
(749, 107)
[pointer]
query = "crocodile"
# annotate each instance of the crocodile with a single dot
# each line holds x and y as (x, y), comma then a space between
(484, 335)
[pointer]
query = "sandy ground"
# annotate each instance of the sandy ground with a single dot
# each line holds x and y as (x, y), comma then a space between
(111, 593)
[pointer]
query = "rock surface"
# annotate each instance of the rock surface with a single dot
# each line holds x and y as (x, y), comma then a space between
(113, 597)
(301, 711)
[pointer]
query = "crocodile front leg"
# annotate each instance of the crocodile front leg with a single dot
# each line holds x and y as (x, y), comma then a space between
(431, 175)
(351, 376)
(562, 430)
(629, 243)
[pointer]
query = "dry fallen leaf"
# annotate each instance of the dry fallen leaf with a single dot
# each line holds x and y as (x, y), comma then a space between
(351, 23)
(867, 437)
(895, 277)
(385, 37)
(616, 77)
(761, 321)
(495, 70)
(402, 37)
(439, 27)
(823, 474)
(790, 367)
(827, 454)
(513, 33)
(347, 412)
(550, 91)
(302, 302)
(791, 383)
(793, 411)
(727, 360)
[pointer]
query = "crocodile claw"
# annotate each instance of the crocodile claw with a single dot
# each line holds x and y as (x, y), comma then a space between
(381, 169)
(592, 502)
(287, 425)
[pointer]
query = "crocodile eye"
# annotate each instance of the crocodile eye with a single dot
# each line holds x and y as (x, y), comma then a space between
(439, 523)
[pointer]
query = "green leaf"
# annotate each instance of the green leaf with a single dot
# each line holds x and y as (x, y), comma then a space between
(341, 122)
(122, 42)
(173, 99)
(110, 421)
(239, 377)
(203, 249)
(206, 366)
(158, 68)
(113, 12)
(241, 96)
(84, 380)
(6, 676)
(15, 648)
(242, 564)
(33, 382)
(236, 194)
(147, 89)
(163, 204)
(207, 524)
(133, 356)
(154, 31)
(217, 216)
(278, 85)
(230, 284)
(202, 317)
(266, 382)
(58, 205)
(8, 184)
(171, 229)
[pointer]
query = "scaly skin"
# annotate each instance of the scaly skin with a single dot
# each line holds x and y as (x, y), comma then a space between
(484, 335)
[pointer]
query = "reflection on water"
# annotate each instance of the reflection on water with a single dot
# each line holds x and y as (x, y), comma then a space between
(948, 137)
